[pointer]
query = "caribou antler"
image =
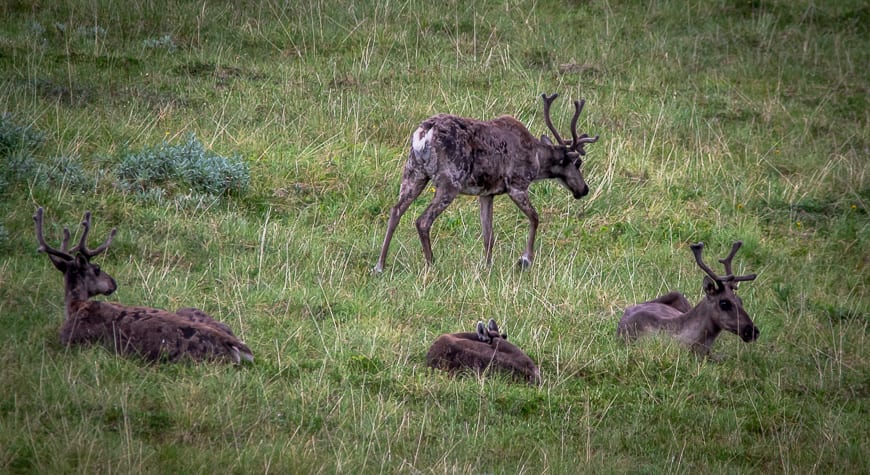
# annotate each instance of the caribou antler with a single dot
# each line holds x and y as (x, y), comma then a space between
(727, 263)
(547, 102)
(579, 141)
(727, 260)
(81, 247)
(578, 107)
(698, 248)
(40, 239)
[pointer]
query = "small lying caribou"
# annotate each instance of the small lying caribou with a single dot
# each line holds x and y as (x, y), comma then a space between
(485, 158)
(477, 351)
(698, 327)
(151, 333)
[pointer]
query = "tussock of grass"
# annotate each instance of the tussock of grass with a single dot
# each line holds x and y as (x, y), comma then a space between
(719, 121)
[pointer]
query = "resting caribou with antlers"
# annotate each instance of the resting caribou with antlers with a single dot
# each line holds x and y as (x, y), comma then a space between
(151, 333)
(480, 350)
(485, 158)
(698, 327)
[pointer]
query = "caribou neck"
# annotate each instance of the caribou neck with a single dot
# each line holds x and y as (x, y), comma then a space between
(547, 158)
(696, 328)
(75, 291)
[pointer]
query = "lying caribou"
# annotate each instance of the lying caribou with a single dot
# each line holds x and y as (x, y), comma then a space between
(698, 327)
(485, 158)
(151, 333)
(477, 351)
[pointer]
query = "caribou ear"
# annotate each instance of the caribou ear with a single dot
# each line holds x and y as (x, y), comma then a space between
(81, 260)
(546, 140)
(710, 286)
(481, 333)
(59, 263)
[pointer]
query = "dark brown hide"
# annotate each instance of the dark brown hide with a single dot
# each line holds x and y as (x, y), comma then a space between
(151, 333)
(698, 326)
(465, 351)
(460, 155)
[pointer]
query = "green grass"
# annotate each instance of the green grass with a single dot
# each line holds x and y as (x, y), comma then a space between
(719, 120)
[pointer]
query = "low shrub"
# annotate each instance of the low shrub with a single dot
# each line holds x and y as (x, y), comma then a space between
(16, 138)
(185, 166)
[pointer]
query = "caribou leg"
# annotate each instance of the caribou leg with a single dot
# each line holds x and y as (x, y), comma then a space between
(486, 226)
(411, 188)
(443, 197)
(521, 199)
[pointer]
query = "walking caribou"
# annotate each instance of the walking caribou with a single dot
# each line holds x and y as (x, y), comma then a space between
(477, 351)
(485, 158)
(151, 333)
(698, 326)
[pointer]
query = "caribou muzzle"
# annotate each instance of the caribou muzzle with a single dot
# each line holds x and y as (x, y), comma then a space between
(581, 193)
(749, 333)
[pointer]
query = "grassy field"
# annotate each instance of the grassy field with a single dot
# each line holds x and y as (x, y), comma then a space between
(719, 120)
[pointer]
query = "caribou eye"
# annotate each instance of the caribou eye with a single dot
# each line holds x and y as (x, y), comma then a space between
(725, 305)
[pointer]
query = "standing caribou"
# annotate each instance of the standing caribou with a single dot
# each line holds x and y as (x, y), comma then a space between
(151, 333)
(698, 327)
(478, 351)
(485, 158)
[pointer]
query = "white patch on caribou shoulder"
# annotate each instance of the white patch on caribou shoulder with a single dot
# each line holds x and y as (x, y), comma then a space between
(419, 140)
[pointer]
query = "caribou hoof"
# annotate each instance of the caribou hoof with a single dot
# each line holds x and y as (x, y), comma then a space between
(377, 270)
(524, 263)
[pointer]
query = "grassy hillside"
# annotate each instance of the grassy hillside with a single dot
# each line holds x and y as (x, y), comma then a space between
(249, 151)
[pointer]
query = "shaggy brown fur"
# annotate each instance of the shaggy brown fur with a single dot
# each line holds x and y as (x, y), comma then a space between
(698, 327)
(154, 334)
(151, 333)
(460, 155)
(487, 348)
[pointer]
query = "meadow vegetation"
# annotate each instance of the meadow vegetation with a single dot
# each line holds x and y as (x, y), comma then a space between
(249, 152)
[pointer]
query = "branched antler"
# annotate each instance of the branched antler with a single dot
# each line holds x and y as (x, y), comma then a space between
(727, 260)
(578, 140)
(61, 253)
(578, 107)
(547, 102)
(81, 247)
(698, 248)
(581, 140)
(727, 263)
